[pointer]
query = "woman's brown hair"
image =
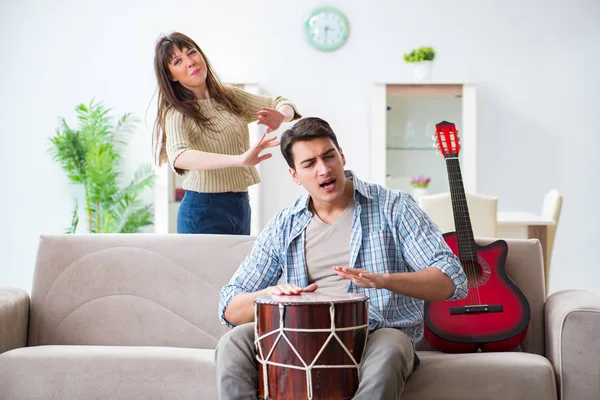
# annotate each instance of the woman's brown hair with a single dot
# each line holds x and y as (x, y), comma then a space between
(173, 95)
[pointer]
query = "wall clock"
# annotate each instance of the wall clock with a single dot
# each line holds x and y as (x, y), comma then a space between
(326, 29)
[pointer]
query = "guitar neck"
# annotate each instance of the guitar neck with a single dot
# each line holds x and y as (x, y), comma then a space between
(462, 222)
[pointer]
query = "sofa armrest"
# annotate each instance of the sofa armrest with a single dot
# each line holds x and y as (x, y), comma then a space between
(14, 318)
(573, 343)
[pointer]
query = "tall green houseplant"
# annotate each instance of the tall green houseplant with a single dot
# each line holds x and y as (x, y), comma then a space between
(91, 156)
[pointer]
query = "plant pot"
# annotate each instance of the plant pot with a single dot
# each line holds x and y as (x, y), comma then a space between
(422, 70)
(417, 193)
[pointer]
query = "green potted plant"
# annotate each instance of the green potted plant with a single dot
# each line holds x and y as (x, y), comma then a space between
(91, 156)
(422, 59)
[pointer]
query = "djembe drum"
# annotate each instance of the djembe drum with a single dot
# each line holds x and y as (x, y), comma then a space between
(310, 346)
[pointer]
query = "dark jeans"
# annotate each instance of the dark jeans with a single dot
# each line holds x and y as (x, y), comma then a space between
(214, 213)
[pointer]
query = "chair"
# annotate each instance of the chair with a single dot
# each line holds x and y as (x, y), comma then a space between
(551, 208)
(483, 212)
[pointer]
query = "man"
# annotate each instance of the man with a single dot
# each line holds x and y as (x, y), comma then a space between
(344, 235)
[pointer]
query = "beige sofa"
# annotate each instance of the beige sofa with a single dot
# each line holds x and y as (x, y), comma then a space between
(135, 317)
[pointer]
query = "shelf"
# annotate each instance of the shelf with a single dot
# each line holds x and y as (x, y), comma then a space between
(402, 149)
(410, 148)
(451, 90)
(424, 83)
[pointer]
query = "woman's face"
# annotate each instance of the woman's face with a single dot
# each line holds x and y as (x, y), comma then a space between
(187, 66)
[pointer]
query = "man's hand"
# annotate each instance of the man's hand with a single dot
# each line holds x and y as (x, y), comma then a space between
(241, 308)
(271, 118)
(288, 289)
(360, 277)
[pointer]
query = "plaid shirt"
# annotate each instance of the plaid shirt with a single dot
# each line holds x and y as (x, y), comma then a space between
(390, 233)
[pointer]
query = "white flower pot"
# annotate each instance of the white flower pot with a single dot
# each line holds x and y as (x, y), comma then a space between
(422, 70)
(417, 193)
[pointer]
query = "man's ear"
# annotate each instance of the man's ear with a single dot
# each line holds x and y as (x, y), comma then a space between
(343, 157)
(294, 175)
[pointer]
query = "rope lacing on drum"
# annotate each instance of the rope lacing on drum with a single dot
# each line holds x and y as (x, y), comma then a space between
(307, 367)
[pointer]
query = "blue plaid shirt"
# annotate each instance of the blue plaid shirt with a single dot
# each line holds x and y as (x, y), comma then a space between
(390, 233)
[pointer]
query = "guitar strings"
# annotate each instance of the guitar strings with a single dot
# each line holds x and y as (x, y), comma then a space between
(467, 253)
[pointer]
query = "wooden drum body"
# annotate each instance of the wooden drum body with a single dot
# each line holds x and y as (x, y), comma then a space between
(310, 346)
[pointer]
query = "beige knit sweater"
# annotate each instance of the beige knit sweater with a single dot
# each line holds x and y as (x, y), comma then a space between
(230, 136)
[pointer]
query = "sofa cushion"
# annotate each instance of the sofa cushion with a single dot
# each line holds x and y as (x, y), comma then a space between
(132, 289)
(481, 376)
(114, 372)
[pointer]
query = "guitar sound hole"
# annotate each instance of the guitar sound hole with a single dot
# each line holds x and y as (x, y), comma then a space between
(477, 272)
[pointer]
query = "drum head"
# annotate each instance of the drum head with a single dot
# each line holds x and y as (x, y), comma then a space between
(311, 298)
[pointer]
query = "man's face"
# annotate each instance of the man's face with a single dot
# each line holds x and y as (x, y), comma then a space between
(319, 167)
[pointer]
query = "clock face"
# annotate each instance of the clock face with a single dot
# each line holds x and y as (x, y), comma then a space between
(326, 29)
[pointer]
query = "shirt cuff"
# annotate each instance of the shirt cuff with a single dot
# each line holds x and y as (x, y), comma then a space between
(455, 272)
(227, 294)
(280, 101)
(173, 156)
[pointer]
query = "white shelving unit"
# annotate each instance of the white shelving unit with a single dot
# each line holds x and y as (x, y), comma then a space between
(403, 120)
(165, 205)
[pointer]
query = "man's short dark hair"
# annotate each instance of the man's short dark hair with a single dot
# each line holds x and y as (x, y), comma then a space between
(304, 130)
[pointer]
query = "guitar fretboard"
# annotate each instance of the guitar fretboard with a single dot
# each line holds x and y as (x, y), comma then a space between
(462, 221)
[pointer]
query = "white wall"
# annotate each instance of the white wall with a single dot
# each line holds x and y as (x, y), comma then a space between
(535, 63)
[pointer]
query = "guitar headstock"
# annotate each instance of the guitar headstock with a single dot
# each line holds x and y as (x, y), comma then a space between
(446, 139)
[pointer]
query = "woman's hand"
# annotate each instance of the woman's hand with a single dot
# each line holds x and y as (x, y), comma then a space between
(271, 118)
(252, 157)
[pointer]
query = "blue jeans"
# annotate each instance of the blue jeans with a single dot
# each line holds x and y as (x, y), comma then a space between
(214, 213)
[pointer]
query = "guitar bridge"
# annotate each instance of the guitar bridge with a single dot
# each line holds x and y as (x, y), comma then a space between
(478, 308)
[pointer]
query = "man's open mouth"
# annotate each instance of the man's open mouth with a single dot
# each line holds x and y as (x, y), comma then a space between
(328, 183)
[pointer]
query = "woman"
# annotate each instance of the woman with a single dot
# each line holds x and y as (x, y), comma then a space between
(202, 131)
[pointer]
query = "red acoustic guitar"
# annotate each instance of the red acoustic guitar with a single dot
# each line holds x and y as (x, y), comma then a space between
(495, 314)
